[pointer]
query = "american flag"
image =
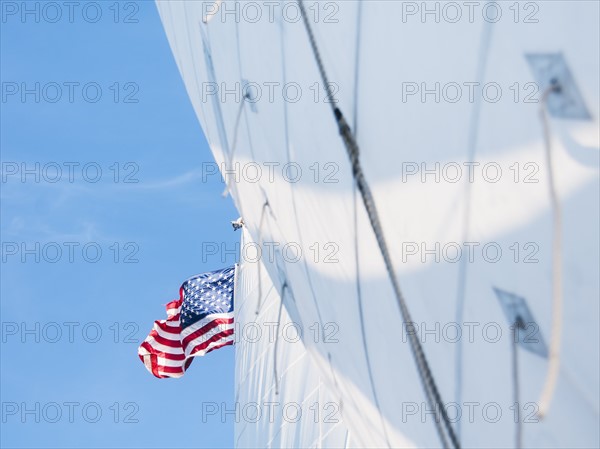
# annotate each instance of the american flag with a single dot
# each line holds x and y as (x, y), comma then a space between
(200, 321)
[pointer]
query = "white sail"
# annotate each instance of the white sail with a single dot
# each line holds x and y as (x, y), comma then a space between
(281, 400)
(427, 96)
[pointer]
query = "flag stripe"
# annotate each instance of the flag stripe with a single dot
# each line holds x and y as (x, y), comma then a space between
(199, 322)
(158, 348)
(205, 328)
(214, 340)
(168, 335)
(206, 336)
(165, 341)
(170, 327)
(150, 349)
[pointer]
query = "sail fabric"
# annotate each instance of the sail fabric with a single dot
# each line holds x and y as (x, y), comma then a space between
(447, 118)
(281, 400)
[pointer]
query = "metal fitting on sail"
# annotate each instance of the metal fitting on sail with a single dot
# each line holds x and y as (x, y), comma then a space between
(237, 224)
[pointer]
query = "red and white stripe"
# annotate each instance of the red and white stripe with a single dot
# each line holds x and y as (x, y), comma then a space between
(168, 351)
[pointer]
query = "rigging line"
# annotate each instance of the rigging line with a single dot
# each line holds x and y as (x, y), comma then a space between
(557, 300)
(335, 381)
(347, 439)
(234, 144)
(359, 297)
(194, 63)
(294, 204)
(283, 288)
(292, 191)
(218, 112)
(429, 385)
(247, 96)
(282, 268)
(238, 116)
(266, 204)
(518, 324)
(320, 445)
(466, 231)
(259, 265)
(236, 289)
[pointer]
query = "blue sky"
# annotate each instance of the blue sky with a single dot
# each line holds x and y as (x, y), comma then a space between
(158, 224)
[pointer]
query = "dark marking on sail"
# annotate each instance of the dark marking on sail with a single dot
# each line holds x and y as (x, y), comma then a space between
(250, 94)
(527, 332)
(550, 70)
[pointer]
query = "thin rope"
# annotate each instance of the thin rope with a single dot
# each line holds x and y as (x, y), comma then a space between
(557, 300)
(212, 77)
(292, 185)
(429, 385)
(335, 381)
(515, 375)
(361, 312)
(234, 143)
(242, 110)
(466, 231)
(247, 96)
(295, 208)
(239, 114)
(320, 445)
(259, 264)
(276, 376)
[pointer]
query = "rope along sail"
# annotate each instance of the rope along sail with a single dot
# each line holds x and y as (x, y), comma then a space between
(429, 385)
(557, 299)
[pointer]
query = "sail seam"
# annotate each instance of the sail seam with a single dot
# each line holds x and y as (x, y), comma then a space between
(466, 229)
